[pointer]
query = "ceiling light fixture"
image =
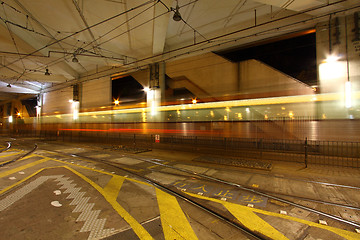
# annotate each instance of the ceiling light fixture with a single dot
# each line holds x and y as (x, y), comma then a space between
(75, 60)
(47, 72)
(177, 15)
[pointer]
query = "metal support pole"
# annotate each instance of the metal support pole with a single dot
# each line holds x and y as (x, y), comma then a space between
(306, 152)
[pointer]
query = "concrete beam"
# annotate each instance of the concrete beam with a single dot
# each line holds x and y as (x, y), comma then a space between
(292, 4)
(160, 26)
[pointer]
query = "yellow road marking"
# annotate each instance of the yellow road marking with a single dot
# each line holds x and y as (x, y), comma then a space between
(90, 161)
(120, 210)
(11, 154)
(157, 165)
(343, 233)
(134, 170)
(24, 158)
(23, 180)
(253, 222)
(14, 170)
(173, 219)
(100, 171)
(113, 187)
(137, 227)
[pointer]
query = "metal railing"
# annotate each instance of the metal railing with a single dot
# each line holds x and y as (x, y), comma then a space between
(332, 153)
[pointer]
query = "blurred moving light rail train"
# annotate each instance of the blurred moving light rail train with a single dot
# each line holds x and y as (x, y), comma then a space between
(315, 116)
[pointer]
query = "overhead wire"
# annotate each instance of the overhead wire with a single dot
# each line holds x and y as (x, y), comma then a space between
(222, 36)
(104, 74)
(139, 25)
(13, 39)
(82, 30)
(62, 39)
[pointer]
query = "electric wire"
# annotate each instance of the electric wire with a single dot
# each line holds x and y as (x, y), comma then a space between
(12, 37)
(225, 40)
(82, 30)
(60, 40)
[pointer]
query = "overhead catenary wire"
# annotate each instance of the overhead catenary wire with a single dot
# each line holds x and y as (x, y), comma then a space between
(82, 30)
(88, 44)
(225, 35)
(57, 41)
(99, 73)
(12, 36)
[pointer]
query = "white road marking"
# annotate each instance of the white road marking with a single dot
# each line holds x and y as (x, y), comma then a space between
(56, 204)
(57, 192)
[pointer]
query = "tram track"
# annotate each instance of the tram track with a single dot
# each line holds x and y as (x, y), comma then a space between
(7, 148)
(251, 234)
(299, 197)
(262, 193)
(18, 157)
(270, 195)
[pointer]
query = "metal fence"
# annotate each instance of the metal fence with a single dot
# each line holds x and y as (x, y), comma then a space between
(332, 153)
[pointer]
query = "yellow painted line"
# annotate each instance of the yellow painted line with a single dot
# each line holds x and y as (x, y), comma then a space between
(253, 222)
(91, 161)
(134, 170)
(343, 233)
(99, 171)
(157, 165)
(109, 192)
(137, 227)
(11, 154)
(113, 187)
(24, 158)
(154, 166)
(14, 170)
(23, 180)
(173, 219)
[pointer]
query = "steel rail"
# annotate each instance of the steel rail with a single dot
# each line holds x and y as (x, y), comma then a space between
(258, 193)
(20, 157)
(315, 200)
(253, 234)
(250, 233)
(7, 148)
(213, 179)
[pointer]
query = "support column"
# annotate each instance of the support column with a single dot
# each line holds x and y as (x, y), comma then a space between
(156, 93)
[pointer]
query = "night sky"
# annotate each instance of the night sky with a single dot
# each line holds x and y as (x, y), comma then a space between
(294, 56)
(127, 89)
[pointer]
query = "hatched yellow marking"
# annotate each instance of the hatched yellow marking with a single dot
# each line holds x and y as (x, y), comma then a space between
(346, 234)
(173, 219)
(109, 196)
(253, 222)
(113, 187)
(343, 233)
(14, 170)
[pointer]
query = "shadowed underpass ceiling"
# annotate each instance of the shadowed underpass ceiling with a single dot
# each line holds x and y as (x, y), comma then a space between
(41, 40)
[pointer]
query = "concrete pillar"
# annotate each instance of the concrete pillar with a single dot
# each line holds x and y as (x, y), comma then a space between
(338, 58)
(156, 92)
